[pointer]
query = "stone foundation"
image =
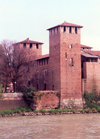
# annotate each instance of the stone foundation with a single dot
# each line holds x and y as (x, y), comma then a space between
(71, 103)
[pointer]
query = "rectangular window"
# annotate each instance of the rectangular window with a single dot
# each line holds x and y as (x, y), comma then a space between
(47, 61)
(70, 30)
(44, 61)
(31, 45)
(37, 46)
(53, 87)
(75, 30)
(57, 29)
(70, 46)
(71, 62)
(64, 29)
(45, 86)
(54, 30)
(24, 45)
(37, 86)
(51, 31)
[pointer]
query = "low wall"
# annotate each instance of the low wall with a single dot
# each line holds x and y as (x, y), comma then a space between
(46, 100)
(42, 100)
(11, 100)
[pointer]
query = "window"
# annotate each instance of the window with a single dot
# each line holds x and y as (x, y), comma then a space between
(64, 29)
(57, 29)
(70, 46)
(44, 61)
(54, 30)
(31, 45)
(24, 45)
(45, 86)
(65, 55)
(29, 83)
(45, 73)
(53, 87)
(51, 31)
(37, 46)
(75, 30)
(70, 29)
(71, 62)
(47, 61)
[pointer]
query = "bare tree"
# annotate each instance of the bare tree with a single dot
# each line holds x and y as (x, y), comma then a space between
(16, 62)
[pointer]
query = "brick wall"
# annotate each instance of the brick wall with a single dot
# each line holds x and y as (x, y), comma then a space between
(92, 81)
(46, 100)
(11, 100)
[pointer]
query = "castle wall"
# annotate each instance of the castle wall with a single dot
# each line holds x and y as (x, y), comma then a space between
(92, 81)
(46, 100)
(11, 101)
(40, 74)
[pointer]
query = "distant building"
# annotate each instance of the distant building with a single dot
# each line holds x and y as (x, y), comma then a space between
(69, 68)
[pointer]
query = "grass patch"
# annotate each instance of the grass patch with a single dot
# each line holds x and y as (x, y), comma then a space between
(17, 110)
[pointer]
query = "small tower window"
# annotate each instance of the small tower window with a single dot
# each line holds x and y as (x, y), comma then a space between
(64, 29)
(54, 30)
(75, 30)
(37, 46)
(57, 29)
(70, 29)
(70, 46)
(71, 62)
(51, 31)
(24, 45)
(31, 45)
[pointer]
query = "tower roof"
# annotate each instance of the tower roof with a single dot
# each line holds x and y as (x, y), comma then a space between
(29, 41)
(66, 24)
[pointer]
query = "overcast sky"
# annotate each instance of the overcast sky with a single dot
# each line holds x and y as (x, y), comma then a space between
(21, 19)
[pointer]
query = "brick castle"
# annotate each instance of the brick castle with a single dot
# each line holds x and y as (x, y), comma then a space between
(70, 67)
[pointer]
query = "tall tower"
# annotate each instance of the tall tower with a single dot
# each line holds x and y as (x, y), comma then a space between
(65, 62)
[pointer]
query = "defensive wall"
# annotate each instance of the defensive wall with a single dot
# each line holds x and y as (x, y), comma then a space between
(11, 100)
(92, 74)
(44, 100)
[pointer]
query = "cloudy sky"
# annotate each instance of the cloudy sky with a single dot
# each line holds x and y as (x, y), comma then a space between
(21, 19)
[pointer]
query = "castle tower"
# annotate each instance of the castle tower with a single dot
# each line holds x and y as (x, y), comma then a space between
(34, 46)
(65, 62)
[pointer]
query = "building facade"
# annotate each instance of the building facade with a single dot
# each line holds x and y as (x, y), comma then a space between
(70, 67)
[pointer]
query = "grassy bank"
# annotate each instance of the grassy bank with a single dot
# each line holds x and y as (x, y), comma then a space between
(28, 112)
(17, 110)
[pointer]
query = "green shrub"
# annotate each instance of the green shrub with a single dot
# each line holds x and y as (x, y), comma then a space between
(91, 99)
(28, 94)
(87, 110)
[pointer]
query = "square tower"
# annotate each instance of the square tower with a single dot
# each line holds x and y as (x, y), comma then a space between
(65, 60)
